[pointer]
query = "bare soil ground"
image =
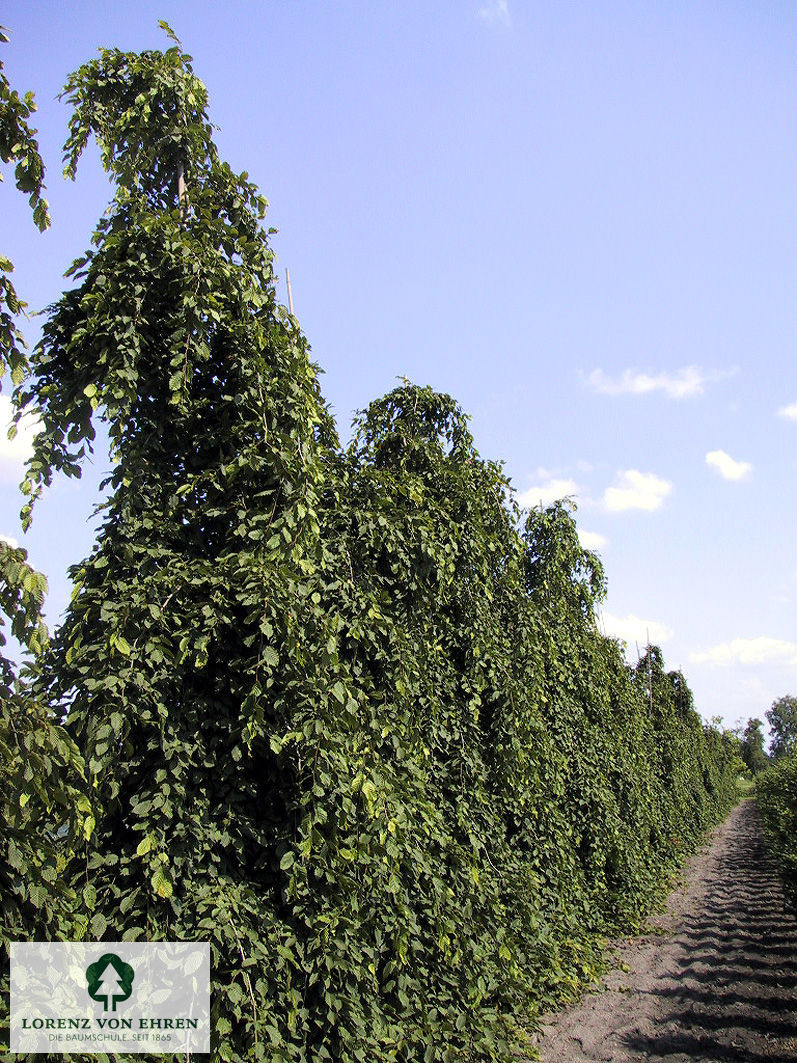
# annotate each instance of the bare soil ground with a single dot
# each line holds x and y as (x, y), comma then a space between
(716, 980)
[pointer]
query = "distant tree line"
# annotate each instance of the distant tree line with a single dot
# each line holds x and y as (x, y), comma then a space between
(782, 720)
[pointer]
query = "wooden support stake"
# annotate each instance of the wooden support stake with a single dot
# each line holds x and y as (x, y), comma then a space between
(182, 193)
(290, 294)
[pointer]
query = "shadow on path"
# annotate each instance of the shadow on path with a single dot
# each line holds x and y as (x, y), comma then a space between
(721, 987)
(731, 994)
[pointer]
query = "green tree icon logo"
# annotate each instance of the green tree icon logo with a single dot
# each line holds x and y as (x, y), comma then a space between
(110, 980)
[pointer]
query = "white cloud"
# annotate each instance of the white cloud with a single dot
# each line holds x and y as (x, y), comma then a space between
(496, 11)
(10, 541)
(636, 490)
(546, 493)
(725, 465)
(592, 540)
(635, 631)
(15, 452)
(789, 412)
(682, 384)
(761, 650)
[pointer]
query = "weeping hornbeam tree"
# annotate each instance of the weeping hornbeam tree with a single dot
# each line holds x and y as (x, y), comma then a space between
(341, 716)
(185, 646)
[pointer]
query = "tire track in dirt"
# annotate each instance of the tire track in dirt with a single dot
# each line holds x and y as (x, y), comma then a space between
(716, 982)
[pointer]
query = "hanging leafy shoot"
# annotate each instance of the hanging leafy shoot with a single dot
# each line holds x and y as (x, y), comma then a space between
(43, 800)
(152, 134)
(559, 569)
(18, 146)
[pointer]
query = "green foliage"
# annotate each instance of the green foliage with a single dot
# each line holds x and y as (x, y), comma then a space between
(43, 801)
(782, 719)
(341, 715)
(195, 638)
(776, 789)
(752, 747)
(18, 146)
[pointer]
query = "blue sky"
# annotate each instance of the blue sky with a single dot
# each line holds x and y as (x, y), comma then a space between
(579, 219)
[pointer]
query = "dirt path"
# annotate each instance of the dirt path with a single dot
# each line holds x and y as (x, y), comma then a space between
(717, 983)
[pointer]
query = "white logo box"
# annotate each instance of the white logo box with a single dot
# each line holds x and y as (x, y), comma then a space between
(110, 996)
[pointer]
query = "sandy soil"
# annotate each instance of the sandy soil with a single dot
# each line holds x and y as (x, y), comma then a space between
(715, 981)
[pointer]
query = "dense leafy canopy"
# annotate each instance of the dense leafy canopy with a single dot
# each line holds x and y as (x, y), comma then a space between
(18, 146)
(752, 747)
(777, 800)
(341, 713)
(777, 790)
(782, 719)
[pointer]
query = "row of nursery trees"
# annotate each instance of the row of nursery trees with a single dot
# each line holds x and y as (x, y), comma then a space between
(336, 710)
